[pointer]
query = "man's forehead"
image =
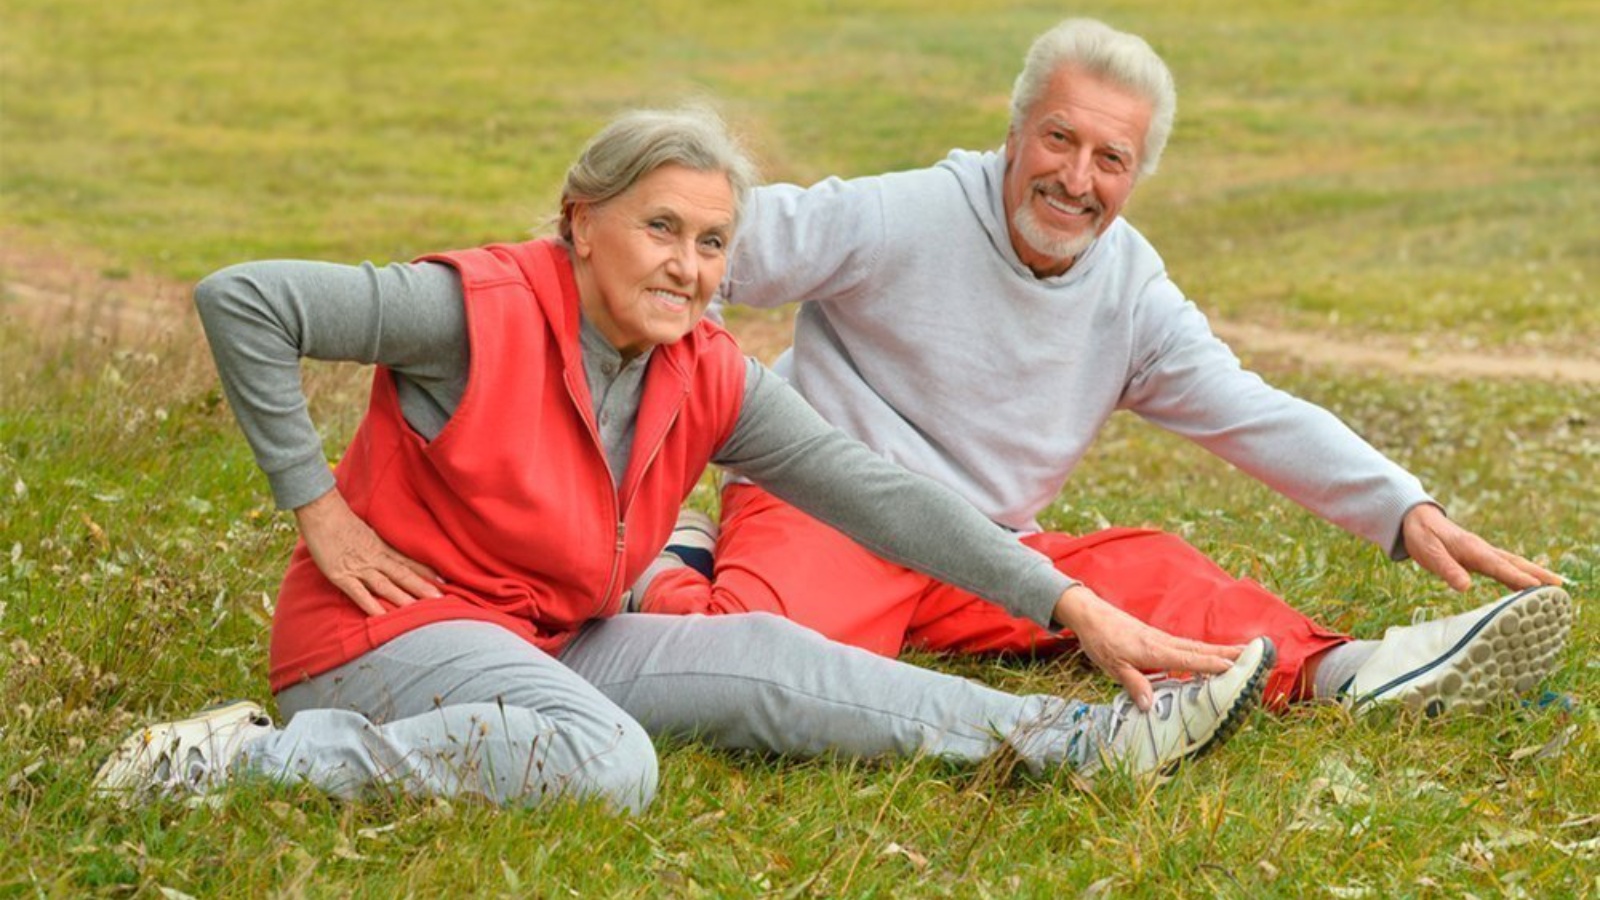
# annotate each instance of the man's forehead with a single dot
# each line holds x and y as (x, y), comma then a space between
(1078, 100)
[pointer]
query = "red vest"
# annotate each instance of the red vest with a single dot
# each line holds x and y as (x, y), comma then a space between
(513, 503)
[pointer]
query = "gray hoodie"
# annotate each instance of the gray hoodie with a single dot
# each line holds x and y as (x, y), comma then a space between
(924, 336)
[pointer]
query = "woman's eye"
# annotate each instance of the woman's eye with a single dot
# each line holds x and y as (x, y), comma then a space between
(659, 225)
(714, 243)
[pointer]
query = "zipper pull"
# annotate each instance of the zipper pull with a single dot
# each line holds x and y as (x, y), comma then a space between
(618, 564)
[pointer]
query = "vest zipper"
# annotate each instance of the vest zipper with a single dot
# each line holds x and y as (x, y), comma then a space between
(608, 602)
(655, 450)
(617, 559)
(617, 512)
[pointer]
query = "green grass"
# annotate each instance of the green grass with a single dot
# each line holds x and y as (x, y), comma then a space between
(1426, 170)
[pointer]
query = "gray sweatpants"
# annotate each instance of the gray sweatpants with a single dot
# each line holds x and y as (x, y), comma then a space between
(468, 707)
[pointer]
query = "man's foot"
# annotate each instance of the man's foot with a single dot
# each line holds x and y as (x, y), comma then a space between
(188, 756)
(1471, 660)
(1188, 718)
(694, 541)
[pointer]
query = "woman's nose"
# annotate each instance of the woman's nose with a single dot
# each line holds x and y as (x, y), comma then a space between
(684, 264)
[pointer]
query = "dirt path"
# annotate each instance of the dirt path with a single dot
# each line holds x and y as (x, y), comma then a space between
(46, 288)
(1390, 355)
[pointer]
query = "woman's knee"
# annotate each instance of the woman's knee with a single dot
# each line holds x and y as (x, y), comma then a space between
(617, 765)
(515, 755)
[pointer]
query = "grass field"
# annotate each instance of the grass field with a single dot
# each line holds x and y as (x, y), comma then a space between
(1421, 175)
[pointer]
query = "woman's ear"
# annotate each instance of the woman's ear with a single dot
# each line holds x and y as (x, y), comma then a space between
(581, 215)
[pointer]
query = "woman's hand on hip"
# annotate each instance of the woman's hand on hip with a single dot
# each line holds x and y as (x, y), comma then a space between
(357, 561)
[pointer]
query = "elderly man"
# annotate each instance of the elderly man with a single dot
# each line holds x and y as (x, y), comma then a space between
(978, 321)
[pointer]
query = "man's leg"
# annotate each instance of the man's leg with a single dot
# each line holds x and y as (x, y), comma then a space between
(1156, 577)
(774, 558)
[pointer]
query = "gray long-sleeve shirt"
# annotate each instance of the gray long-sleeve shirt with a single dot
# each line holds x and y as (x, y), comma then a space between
(262, 318)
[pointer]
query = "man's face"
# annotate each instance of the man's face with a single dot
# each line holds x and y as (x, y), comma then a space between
(1071, 163)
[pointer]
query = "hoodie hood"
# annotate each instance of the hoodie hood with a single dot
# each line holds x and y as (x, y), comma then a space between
(982, 179)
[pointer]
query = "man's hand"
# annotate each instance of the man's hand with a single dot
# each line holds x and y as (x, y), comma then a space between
(1122, 645)
(357, 561)
(1454, 553)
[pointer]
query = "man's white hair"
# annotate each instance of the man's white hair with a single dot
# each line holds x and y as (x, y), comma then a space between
(1117, 57)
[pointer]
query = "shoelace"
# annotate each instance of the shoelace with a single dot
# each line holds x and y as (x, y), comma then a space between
(1169, 693)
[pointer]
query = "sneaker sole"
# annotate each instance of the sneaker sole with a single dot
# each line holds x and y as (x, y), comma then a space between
(124, 772)
(1507, 653)
(1243, 704)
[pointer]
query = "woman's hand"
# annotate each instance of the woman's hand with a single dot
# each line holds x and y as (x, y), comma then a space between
(1122, 645)
(357, 561)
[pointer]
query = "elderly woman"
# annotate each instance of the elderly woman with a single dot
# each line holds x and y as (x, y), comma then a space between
(455, 618)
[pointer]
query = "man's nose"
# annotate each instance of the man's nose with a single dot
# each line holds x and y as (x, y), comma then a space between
(1077, 175)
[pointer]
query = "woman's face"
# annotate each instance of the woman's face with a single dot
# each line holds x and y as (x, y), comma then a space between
(650, 258)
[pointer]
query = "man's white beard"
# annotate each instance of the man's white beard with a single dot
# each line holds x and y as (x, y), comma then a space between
(1042, 242)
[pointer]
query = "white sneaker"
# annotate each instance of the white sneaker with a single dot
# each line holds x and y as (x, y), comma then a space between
(1469, 660)
(189, 756)
(1187, 719)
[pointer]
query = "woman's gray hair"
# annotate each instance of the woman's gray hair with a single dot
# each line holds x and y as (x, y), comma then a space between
(1118, 57)
(640, 141)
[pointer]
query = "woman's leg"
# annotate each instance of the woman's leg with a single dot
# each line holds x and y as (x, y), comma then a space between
(758, 681)
(459, 707)
(476, 710)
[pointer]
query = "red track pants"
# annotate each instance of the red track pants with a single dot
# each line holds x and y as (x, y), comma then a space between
(773, 558)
